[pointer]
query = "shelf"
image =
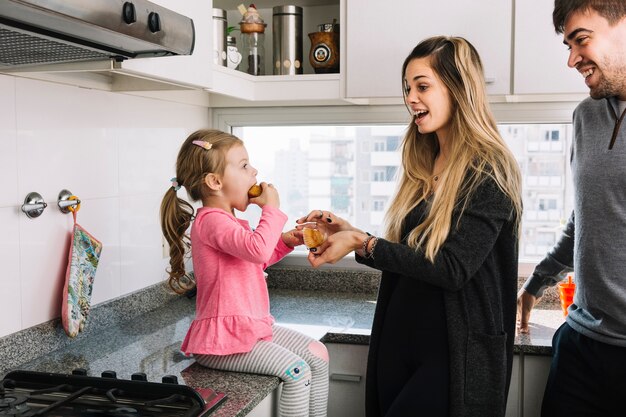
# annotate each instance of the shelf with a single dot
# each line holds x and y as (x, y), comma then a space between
(314, 14)
(234, 88)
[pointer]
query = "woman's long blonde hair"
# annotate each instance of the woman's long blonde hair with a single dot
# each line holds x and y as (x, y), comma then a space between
(192, 166)
(476, 150)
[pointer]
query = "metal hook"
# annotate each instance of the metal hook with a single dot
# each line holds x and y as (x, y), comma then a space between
(66, 203)
(33, 205)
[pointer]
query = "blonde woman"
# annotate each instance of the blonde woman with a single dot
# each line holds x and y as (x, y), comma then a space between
(442, 337)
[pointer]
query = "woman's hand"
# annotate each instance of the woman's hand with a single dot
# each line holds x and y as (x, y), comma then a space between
(292, 238)
(330, 223)
(338, 245)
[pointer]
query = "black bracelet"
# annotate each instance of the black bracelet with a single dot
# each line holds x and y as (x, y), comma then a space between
(369, 254)
(365, 243)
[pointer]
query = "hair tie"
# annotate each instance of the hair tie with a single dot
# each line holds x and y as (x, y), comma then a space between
(175, 184)
(203, 144)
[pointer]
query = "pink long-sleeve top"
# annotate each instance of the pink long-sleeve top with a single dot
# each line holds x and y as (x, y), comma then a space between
(232, 301)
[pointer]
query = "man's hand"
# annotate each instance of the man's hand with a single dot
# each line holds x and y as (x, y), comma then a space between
(525, 303)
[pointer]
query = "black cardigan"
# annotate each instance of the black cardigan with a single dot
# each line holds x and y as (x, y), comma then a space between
(477, 270)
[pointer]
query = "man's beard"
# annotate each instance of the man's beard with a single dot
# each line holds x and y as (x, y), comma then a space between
(606, 89)
(614, 85)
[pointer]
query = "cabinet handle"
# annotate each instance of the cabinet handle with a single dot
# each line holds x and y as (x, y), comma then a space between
(345, 377)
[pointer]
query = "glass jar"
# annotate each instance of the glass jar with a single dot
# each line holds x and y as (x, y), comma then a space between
(253, 53)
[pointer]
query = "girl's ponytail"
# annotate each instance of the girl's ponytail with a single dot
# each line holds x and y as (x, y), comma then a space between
(176, 216)
(203, 152)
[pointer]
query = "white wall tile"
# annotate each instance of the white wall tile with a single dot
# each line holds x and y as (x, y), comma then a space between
(148, 159)
(10, 304)
(44, 248)
(8, 144)
(100, 217)
(141, 251)
(64, 144)
(116, 152)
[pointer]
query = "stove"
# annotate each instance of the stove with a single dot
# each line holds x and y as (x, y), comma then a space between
(30, 393)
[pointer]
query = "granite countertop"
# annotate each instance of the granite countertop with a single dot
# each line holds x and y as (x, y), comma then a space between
(150, 342)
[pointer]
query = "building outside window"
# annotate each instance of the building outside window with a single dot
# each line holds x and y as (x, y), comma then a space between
(352, 169)
(378, 205)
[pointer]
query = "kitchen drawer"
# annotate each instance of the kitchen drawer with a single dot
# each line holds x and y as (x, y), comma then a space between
(347, 380)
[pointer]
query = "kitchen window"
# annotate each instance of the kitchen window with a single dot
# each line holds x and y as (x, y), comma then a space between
(350, 168)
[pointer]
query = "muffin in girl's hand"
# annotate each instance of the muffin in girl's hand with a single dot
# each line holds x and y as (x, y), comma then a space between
(255, 191)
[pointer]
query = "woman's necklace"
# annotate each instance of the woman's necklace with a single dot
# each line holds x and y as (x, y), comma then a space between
(435, 177)
(434, 184)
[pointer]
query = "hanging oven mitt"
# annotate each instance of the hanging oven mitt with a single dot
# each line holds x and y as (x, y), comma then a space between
(81, 271)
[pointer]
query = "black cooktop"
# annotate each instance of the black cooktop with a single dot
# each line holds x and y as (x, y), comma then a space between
(30, 393)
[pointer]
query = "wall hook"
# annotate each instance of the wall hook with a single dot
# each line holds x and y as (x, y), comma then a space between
(33, 205)
(67, 201)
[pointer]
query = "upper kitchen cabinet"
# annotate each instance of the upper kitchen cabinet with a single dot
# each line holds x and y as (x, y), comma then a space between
(233, 87)
(540, 56)
(381, 35)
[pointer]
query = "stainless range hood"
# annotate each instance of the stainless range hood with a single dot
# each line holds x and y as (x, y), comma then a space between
(37, 32)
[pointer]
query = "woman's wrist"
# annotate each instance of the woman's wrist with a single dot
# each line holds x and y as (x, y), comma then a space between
(359, 242)
(366, 244)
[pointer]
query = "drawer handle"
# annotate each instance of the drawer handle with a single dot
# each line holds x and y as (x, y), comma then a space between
(345, 377)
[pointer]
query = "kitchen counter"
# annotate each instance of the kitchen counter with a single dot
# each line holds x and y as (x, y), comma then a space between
(150, 342)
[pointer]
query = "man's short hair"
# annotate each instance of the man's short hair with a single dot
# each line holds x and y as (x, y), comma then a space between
(612, 10)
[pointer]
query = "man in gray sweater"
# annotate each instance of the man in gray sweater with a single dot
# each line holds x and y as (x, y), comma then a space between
(588, 372)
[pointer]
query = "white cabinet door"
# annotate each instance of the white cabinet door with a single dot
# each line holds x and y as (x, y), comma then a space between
(513, 400)
(347, 380)
(540, 55)
(536, 370)
(380, 35)
(268, 407)
(193, 70)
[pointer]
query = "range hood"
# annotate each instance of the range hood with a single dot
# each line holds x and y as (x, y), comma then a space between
(39, 32)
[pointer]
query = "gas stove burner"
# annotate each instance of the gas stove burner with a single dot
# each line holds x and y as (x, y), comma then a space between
(13, 405)
(30, 394)
(14, 412)
(11, 400)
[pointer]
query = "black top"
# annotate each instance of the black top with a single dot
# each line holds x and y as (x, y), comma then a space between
(414, 304)
(476, 270)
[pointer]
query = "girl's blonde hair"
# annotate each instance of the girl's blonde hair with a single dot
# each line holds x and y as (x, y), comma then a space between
(193, 164)
(477, 150)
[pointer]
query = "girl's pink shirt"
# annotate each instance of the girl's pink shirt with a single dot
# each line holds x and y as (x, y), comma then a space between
(232, 304)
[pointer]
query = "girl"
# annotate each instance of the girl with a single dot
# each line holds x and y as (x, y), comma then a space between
(233, 329)
(442, 337)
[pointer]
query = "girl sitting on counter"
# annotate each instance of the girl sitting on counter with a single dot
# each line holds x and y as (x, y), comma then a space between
(233, 329)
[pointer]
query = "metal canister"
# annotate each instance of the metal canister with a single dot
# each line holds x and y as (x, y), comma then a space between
(287, 39)
(219, 37)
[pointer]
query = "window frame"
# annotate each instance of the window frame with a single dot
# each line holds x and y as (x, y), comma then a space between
(517, 112)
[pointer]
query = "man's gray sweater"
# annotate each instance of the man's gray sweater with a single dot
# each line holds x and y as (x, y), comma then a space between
(594, 242)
